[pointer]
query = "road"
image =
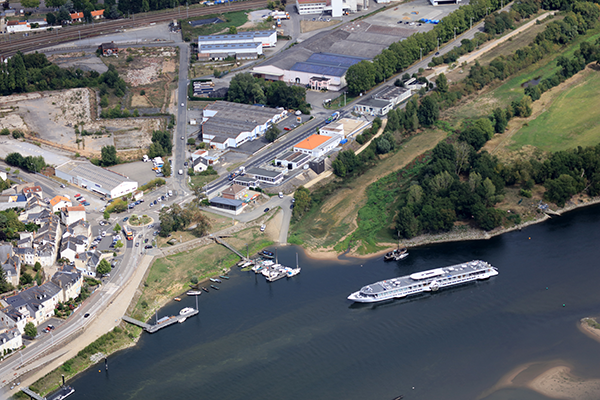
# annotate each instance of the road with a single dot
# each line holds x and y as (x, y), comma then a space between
(180, 145)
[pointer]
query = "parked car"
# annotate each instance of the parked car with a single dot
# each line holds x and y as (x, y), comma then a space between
(148, 246)
(267, 209)
(62, 186)
(287, 128)
(51, 327)
(86, 315)
(125, 219)
(262, 228)
(85, 203)
(145, 240)
(437, 53)
(180, 172)
(185, 164)
(137, 244)
(77, 195)
(182, 138)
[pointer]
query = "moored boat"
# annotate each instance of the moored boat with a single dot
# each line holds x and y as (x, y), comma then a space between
(177, 299)
(267, 254)
(214, 287)
(186, 311)
(194, 292)
(223, 276)
(293, 272)
(396, 254)
(205, 289)
(426, 281)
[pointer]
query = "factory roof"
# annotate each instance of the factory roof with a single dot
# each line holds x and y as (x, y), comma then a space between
(312, 142)
(104, 178)
(244, 36)
(230, 46)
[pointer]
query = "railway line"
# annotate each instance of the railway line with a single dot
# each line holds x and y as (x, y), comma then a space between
(9, 47)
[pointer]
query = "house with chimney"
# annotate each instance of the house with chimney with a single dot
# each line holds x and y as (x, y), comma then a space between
(10, 339)
(70, 282)
(59, 202)
(72, 214)
(39, 301)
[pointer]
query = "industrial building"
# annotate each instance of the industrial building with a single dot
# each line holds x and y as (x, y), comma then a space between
(317, 145)
(292, 159)
(266, 38)
(317, 70)
(226, 124)
(266, 176)
(337, 8)
(102, 181)
(230, 205)
(444, 2)
(239, 51)
(382, 102)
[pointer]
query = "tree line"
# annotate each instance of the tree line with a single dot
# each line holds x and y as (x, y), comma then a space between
(244, 88)
(33, 72)
(400, 55)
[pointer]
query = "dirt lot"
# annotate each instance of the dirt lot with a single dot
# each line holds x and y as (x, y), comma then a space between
(308, 26)
(52, 118)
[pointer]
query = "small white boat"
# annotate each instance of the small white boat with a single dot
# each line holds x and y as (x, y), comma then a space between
(186, 311)
(293, 272)
(182, 320)
(194, 292)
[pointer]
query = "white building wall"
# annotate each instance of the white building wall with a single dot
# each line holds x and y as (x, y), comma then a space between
(123, 189)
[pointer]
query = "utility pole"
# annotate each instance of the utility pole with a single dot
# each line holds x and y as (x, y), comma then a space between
(471, 22)
(455, 33)
(421, 53)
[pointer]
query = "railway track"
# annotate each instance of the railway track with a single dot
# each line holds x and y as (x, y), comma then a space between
(9, 47)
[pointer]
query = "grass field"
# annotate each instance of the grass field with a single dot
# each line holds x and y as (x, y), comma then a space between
(510, 90)
(572, 119)
(235, 19)
(359, 212)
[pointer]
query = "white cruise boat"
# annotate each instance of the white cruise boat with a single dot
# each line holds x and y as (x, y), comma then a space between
(185, 311)
(426, 281)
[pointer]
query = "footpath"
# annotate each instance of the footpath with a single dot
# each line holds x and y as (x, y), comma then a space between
(109, 318)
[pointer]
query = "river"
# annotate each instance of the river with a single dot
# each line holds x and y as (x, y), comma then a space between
(301, 339)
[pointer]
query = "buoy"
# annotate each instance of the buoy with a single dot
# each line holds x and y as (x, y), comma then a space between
(413, 388)
(529, 238)
(98, 370)
(563, 305)
(546, 287)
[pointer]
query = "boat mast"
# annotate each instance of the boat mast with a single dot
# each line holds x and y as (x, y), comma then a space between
(296, 260)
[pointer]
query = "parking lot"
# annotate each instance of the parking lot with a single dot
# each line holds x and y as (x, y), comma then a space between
(139, 171)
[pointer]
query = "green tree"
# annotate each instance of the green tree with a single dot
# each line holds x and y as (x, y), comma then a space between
(232, 30)
(166, 169)
(30, 3)
(408, 225)
(106, 215)
(441, 83)
(428, 111)
(63, 15)
(117, 228)
(37, 266)
(103, 267)
(302, 202)
(109, 156)
(50, 19)
(360, 77)
(272, 133)
(119, 245)
(30, 330)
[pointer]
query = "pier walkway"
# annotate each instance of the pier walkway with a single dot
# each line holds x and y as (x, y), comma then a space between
(220, 240)
(32, 394)
(161, 324)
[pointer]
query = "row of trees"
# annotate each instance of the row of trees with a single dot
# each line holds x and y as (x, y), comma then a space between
(162, 144)
(244, 88)
(33, 72)
(29, 163)
(365, 75)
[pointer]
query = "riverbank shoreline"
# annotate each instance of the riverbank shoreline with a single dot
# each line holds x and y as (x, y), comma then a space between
(456, 235)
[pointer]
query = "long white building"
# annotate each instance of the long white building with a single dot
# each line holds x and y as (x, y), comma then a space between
(266, 38)
(100, 180)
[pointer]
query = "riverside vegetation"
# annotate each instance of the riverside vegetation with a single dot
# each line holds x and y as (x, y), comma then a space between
(456, 183)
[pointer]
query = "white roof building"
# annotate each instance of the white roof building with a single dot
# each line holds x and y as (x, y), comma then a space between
(100, 180)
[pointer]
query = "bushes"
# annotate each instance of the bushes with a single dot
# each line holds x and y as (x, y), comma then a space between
(154, 183)
(29, 163)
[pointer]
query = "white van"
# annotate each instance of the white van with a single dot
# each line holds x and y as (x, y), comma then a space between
(281, 195)
(180, 172)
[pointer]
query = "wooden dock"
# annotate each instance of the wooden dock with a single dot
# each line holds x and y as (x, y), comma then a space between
(161, 323)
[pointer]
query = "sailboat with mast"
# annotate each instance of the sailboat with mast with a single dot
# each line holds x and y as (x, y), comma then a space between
(396, 254)
(294, 271)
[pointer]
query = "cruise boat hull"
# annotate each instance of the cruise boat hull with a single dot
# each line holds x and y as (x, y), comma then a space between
(423, 282)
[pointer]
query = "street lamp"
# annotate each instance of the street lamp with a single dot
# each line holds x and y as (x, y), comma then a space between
(421, 53)
(455, 33)
(471, 22)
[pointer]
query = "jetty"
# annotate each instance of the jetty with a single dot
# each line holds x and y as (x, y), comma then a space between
(32, 394)
(160, 323)
(219, 240)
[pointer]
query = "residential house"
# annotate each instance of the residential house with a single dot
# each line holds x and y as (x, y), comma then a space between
(11, 317)
(88, 261)
(97, 14)
(33, 191)
(70, 247)
(59, 202)
(69, 280)
(79, 229)
(73, 214)
(26, 255)
(10, 339)
(77, 17)
(40, 301)
(35, 205)
(47, 240)
(11, 264)
(235, 192)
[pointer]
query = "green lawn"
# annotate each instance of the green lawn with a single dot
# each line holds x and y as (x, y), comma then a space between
(572, 120)
(236, 19)
(511, 89)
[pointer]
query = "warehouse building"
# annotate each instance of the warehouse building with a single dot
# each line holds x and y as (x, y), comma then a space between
(266, 176)
(337, 8)
(229, 125)
(382, 102)
(292, 160)
(317, 145)
(266, 38)
(315, 70)
(239, 51)
(444, 2)
(99, 180)
(230, 205)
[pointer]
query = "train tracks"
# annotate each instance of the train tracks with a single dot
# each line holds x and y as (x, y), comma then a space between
(9, 47)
